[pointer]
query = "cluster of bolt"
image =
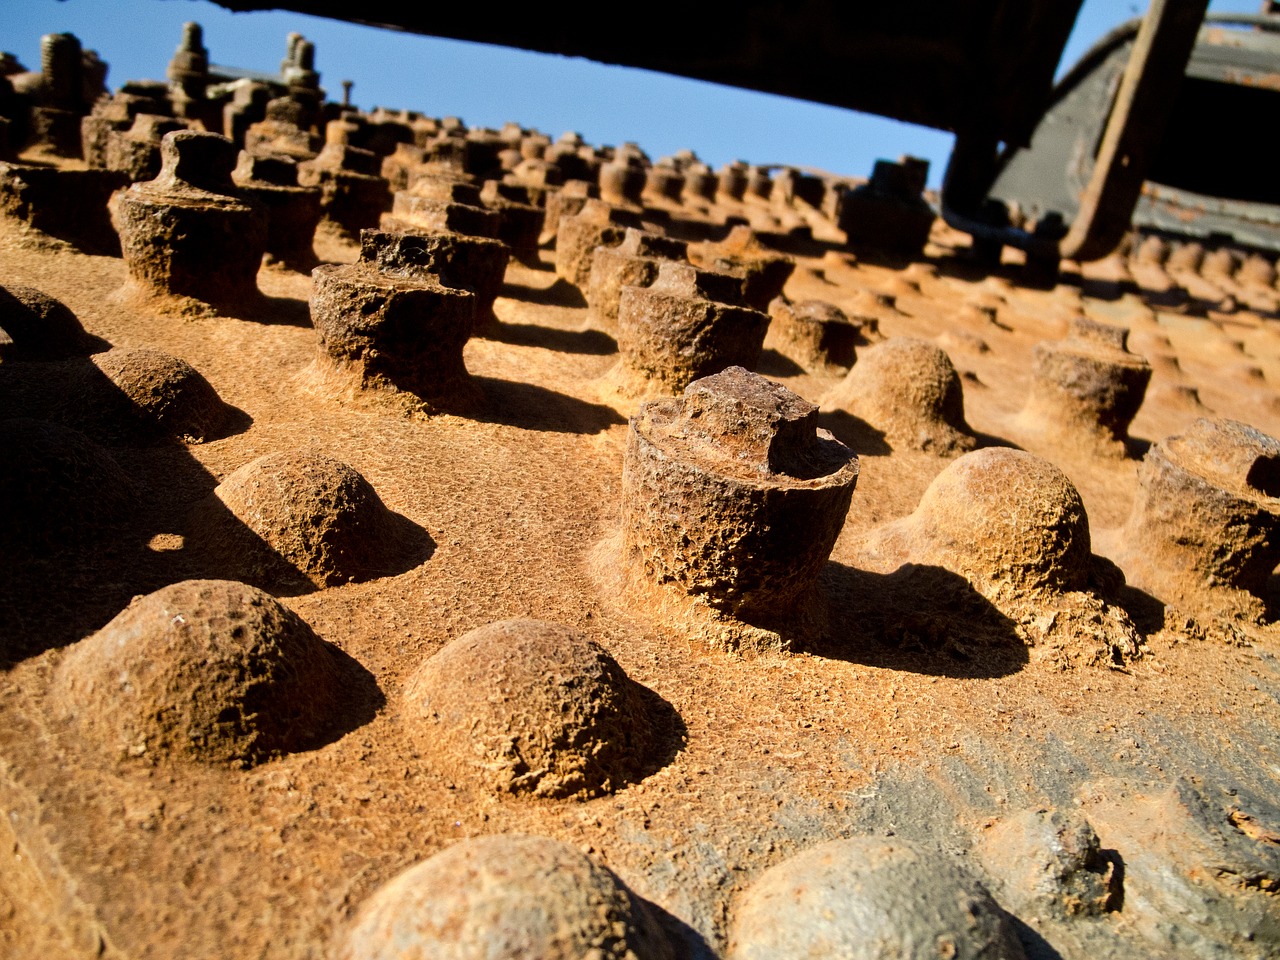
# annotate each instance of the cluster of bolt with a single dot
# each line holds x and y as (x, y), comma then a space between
(342, 183)
(49, 109)
(736, 447)
(286, 518)
(1085, 390)
(40, 113)
(771, 492)
(1203, 532)
(628, 177)
(444, 187)
(194, 232)
(758, 496)
(676, 323)
(528, 168)
(756, 430)
(363, 163)
(400, 316)
(119, 136)
(198, 652)
(1233, 277)
(861, 897)
(1205, 524)
(43, 108)
(510, 184)
(200, 227)
(678, 311)
(440, 175)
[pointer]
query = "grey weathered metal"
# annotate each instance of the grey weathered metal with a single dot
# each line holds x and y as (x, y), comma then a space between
(1212, 172)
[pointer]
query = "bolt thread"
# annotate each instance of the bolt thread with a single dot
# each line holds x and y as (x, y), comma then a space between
(192, 38)
(60, 64)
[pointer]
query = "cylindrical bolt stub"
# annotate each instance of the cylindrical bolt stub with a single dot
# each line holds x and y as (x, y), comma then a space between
(631, 153)
(765, 272)
(1207, 512)
(595, 224)
(1222, 262)
(759, 183)
(519, 219)
(475, 264)
(306, 55)
(1089, 382)
(425, 213)
(136, 151)
(404, 331)
(687, 324)
(815, 334)
(632, 263)
(276, 171)
(286, 110)
(700, 183)
(293, 211)
(353, 193)
(733, 180)
(683, 279)
(622, 182)
(733, 495)
(1152, 251)
(559, 201)
(445, 188)
(186, 232)
(191, 159)
(1256, 270)
(666, 183)
(1186, 256)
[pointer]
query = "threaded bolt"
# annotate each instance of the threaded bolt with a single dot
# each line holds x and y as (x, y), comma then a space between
(60, 64)
(192, 38)
(291, 52)
(305, 53)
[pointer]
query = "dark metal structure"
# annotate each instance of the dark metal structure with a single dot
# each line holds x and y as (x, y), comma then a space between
(959, 65)
(1213, 175)
(982, 69)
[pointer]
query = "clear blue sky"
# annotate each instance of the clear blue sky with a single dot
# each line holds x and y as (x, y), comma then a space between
(487, 86)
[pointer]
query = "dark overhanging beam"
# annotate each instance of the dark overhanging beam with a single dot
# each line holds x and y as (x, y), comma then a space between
(956, 65)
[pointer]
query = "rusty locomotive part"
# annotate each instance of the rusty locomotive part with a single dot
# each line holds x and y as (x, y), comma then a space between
(1198, 188)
